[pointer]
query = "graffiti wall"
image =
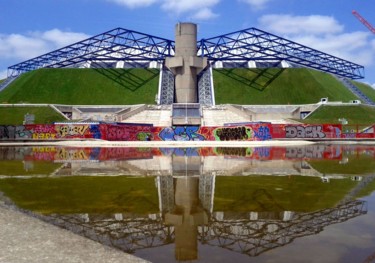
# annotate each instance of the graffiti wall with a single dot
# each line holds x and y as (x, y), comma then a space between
(111, 132)
(249, 132)
(140, 132)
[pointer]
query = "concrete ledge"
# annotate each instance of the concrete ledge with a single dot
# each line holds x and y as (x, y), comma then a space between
(27, 239)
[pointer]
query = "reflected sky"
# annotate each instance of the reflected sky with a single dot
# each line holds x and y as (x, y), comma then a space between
(269, 204)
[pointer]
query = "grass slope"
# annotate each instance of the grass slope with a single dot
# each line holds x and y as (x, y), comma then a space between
(355, 115)
(277, 86)
(15, 115)
(84, 86)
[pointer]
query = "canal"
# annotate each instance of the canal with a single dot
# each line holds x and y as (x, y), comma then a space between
(313, 203)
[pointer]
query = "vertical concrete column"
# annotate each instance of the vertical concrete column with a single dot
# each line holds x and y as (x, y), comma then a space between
(186, 65)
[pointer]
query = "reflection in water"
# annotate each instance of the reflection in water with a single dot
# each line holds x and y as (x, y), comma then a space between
(304, 160)
(199, 203)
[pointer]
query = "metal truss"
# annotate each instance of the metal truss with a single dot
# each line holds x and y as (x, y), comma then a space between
(256, 45)
(116, 45)
(242, 46)
(166, 88)
(205, 89)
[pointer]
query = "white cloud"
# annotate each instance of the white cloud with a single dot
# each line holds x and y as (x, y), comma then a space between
(323, 33)
(287, 24)
(3, 74)
(60, 38)
(350, 46)
(182, 6)
(20, 46)
(196, 9)
(134, 3)
(32, 44)
(256, 4)
(204, 14)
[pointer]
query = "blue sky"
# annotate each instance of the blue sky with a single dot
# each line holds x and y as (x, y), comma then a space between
(29, 28)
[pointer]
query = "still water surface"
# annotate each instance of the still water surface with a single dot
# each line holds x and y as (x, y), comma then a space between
(312, 203)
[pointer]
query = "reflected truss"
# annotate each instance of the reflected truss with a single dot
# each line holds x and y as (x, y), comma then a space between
(132, 232)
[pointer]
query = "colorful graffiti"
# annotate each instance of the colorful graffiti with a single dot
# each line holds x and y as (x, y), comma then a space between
(181, 133)
(313, 131)
(121, 132)
(76, 131)
(233, 133)
(142, 132)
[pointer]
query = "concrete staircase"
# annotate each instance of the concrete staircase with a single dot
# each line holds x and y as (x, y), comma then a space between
(6, 83)
(156, 115)
(219, 115)
(356, 91)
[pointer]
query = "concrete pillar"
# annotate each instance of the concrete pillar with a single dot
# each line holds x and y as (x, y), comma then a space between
(186, 65)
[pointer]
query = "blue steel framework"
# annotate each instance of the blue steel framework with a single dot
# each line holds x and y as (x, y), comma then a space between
(245, 45)
(117, 44)
(256, 45)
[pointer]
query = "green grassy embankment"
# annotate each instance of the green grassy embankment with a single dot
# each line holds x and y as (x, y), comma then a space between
(355, 115)
(84, 87)
(138, 86)
(277, 86)
(15, 115)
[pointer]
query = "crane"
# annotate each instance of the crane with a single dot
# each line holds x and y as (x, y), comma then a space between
(363, 21)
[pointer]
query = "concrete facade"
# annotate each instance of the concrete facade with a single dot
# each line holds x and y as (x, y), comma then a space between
(186, 65)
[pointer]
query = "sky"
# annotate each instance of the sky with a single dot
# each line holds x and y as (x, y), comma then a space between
(29, 28)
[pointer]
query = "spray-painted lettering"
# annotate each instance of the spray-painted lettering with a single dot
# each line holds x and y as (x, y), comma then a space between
(235, 133)
(262, 133)
(70, 130)
(304, 132)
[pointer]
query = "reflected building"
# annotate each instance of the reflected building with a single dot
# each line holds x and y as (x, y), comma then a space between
(186, 180)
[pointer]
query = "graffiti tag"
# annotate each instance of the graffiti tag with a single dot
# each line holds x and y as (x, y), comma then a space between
(181, 133)
(70, 130)
(235, 133)
(304, 132)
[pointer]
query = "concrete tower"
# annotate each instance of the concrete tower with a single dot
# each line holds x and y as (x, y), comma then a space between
(186, 65)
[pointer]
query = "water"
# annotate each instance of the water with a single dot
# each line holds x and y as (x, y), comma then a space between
(312, 203)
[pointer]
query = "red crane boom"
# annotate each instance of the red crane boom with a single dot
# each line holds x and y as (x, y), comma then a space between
(364, 21)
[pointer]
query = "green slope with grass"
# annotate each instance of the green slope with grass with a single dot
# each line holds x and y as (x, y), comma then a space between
(355, 115)
(15, 115)
(84, 86)
(277, 86)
